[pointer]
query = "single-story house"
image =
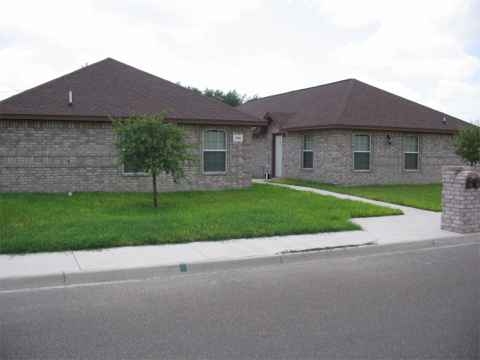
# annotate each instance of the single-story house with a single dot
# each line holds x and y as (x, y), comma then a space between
(349, 132)
(58, 137)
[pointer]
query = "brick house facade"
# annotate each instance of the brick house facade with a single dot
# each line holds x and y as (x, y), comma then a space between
(62, 156)
(351, 133)
(332, 152)
(58, 136)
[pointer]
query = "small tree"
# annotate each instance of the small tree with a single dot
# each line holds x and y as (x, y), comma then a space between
(467, 144)
(153, 145)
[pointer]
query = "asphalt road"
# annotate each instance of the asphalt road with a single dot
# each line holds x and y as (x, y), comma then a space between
(418, 304)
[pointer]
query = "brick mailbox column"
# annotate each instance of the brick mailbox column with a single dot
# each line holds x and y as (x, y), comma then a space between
(461, 199)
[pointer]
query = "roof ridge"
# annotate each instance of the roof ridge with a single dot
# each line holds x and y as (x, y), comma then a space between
(411, 101)
(348, 95)
(55, 79)
(187, 89)
(299, 90)
(145, 73)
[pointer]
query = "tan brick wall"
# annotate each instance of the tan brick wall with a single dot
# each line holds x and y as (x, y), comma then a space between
(461, 206)
(262, 150)
(58, 156)
(333, 158)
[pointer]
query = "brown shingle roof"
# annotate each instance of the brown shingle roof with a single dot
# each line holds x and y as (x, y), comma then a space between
(111, 88)
(351, 104)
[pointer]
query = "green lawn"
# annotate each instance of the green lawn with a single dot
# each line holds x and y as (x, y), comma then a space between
(54, 222)
(428, 196)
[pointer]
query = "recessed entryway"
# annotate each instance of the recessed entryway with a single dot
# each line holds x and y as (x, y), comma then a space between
(278, 157)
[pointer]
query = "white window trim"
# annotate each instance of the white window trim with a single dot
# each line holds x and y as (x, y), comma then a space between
(133, 173)
(304, 151)
(214, 150)
(362, 151)
(411, 152)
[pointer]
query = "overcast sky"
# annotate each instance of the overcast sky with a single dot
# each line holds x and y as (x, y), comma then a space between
(427, 51)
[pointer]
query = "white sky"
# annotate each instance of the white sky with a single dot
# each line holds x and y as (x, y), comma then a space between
(428, 51)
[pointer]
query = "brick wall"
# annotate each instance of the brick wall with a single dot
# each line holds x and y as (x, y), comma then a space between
(333, 158)
(262, 150)
(461, 206)
(262, 160)
(60, 156)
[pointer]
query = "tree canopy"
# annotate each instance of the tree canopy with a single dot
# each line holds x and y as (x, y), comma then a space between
(467, 144)
(231, 97)
(152, 145)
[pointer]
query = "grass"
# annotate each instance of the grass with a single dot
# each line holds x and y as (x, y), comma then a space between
(56, 222)
(424, 196)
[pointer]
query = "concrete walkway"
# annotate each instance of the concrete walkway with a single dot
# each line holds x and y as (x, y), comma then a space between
(414, 225)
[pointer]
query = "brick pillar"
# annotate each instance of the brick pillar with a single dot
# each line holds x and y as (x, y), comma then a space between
(461, 199)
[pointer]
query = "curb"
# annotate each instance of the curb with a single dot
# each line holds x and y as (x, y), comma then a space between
(368, 249)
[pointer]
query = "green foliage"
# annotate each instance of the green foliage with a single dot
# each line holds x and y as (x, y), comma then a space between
(467, 144)
(57, 222)
(421, 196)
(231, 97)
(152, 144)
(194, 89)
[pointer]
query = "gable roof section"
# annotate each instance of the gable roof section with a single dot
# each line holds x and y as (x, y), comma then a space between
(351, 104)
(110, 88)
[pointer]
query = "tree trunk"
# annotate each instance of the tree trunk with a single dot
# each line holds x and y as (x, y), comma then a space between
(154, 180)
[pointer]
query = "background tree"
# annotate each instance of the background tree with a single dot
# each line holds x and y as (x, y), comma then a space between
(153, 145)
(231, 97)
(467, 144)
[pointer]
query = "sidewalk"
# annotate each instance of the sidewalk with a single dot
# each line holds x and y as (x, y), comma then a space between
(161, 255)
(414, 225)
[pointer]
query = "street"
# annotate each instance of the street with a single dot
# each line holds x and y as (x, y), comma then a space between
(405, 304)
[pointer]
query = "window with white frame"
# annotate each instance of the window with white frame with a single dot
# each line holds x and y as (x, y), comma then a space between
(411, 152)
(131, 167)
(307, 156)
(214, 151)
(361, 152)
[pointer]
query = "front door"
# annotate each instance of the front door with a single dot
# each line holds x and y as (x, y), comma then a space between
(278, 158)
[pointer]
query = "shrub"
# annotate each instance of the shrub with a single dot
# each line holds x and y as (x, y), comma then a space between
(467, 144)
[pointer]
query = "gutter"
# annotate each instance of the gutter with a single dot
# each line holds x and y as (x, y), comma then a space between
(108, 119)
(371, 128)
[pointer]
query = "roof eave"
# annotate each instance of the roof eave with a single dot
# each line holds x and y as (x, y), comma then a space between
(16, 116)
(371, 128)
(104, 118)
(219, 122)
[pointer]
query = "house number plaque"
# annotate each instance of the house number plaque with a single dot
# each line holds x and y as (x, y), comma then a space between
(237, 138)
